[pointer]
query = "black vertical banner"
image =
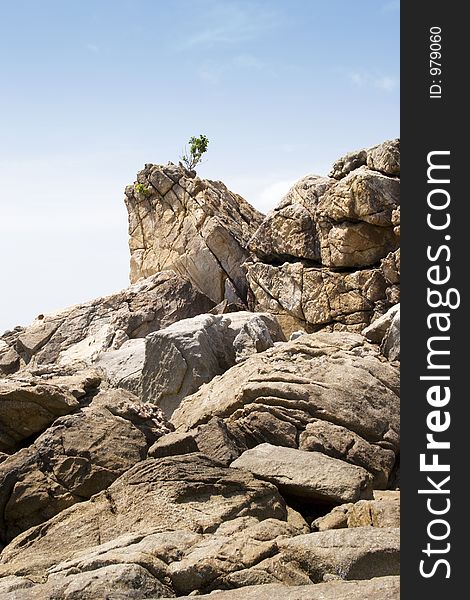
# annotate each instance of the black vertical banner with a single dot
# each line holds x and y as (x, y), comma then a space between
(434, 327)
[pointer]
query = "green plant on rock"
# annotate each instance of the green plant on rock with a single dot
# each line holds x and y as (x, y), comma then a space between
(197, 147)
(140, 188)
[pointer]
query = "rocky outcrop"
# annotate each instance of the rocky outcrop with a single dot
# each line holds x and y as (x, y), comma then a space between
(169, 503)
(279, 396)
(78, 456)
(324, 257)
(384, 158)
(29, 405)
(196, 227)
(175, 361)
(346, 223)
(307, 475)
(382, 511)
(277, 473)
(378, 588)
(80, 333)
(316, 298)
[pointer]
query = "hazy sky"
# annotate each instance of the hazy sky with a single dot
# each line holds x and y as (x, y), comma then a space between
(94, 89)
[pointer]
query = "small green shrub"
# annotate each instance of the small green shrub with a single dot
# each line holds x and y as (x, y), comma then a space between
(140, 188)
(197, 147)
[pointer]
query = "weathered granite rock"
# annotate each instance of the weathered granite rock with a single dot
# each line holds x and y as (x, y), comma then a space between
(308, 475)
(9, 358)
(78, 456)
(79, 333)
(354, 219)
(28, 405)
(357, 553)
(383, 511)
(183, 356)
(314, 298)
(376, 331)
(196, 227)
(290, 229)
(237, 545)
(347, 223)
(339, 442)
(384, 158)
(189, 493)
(390, 346)
(378, 588)
(173, 362)
(337, 378)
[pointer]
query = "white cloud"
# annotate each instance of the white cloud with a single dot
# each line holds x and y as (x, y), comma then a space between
(212, 71)
(378, 81)
(232, 23)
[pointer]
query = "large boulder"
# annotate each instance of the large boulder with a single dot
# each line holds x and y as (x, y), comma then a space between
(77, 335)
(175, 361)
(196, 227)
(337, 378)
(346, 223)
(382, 511)
(357, 553)
(77, 457)
(177, 499)
(378, 588)
(30, 404)
(384, 158)
(308, 475)
(314, 298)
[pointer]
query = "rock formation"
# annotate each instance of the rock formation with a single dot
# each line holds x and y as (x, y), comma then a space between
(196, 227)
(324, 257)
(167, 442)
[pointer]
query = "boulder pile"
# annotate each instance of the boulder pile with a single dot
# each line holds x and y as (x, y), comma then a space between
(228, 426)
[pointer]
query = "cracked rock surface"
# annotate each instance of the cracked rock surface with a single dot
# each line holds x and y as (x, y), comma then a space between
(196, 227)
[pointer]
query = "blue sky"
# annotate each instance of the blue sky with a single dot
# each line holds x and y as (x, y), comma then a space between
(93, 90)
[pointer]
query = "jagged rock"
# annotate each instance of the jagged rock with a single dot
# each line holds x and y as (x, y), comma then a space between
(376, 331)
(308, 475)
(317, 298)
(358, 553)
(78, 456)
(189, 493)
(80, 333)
(379, 588)
(172, 444)
(29, 405)
(346, 223)
(338, 442)
(354, 219)
(337, 378)
(217, 440)
(382, 511)
(289, 230)
(183, 356)
(384, 158)
(237, 545)
(9, 359)
(194, 226)
(390, 346)
(173, 362)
